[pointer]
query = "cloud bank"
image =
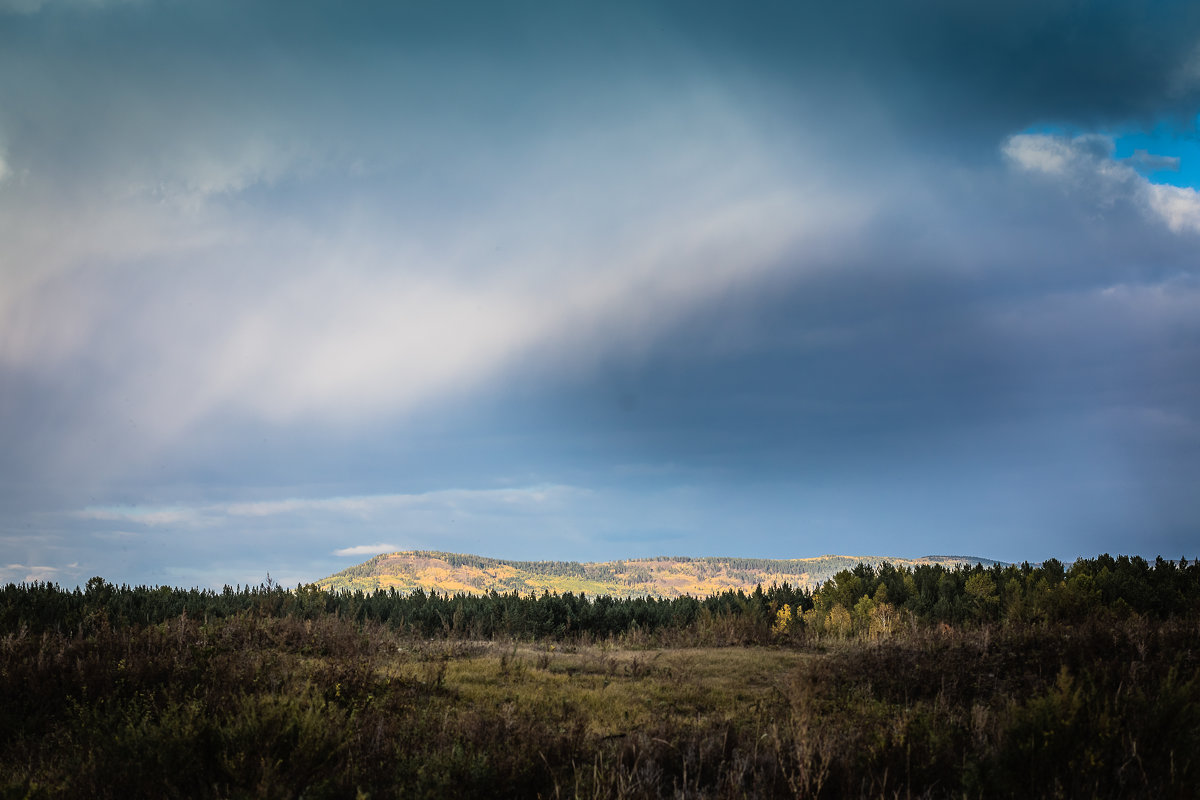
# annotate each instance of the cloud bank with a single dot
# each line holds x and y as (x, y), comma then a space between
(277, 283)
(366, 550)
(1086, 164)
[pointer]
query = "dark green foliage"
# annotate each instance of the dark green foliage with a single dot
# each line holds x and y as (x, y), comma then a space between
(41, 607)
(1112, 586)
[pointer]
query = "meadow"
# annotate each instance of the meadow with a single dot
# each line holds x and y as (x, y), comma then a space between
(1084, 685)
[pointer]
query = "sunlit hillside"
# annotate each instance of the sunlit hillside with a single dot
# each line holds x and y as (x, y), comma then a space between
(657, 577)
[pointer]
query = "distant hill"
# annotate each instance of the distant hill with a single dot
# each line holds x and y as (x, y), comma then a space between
(659, 577)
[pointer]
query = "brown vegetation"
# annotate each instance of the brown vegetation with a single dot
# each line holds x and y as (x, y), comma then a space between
(289, 695)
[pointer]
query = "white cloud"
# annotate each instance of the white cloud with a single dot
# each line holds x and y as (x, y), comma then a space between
(366, 550)
(346, 342)
(341, 344)
(1179, 206)
(152, 517)
(16, 573)
(1085, 163)
(1040, 153)
(1073, 158)
(530, 498)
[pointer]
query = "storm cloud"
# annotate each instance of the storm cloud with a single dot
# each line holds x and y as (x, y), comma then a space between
(772, 280)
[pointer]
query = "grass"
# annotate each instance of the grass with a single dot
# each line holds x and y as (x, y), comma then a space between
(286, 708)
(617, 691)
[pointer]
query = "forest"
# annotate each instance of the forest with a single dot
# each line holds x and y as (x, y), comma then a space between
(984, 681)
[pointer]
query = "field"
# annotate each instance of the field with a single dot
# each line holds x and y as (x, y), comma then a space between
(285, 699)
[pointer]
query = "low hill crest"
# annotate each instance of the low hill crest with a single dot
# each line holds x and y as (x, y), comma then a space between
(658, 576)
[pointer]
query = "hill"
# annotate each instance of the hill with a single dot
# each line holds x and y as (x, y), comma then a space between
(657, 577)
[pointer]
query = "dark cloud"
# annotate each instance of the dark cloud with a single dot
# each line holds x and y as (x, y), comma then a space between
(1068, 353)
(976, 67)
(955, 73)
(796, 271)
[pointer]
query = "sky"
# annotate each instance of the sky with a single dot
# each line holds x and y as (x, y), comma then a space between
(284, 285)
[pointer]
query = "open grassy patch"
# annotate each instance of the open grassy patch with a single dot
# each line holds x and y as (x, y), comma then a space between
(614, 692)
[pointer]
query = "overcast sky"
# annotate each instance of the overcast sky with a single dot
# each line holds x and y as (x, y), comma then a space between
(283, 285)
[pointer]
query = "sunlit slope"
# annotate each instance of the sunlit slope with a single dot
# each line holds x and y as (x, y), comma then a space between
(660, 577)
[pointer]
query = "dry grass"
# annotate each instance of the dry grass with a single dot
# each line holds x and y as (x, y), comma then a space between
(614, 691)
(288, 708)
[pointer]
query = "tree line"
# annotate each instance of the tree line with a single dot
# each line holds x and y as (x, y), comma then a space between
(862, 601)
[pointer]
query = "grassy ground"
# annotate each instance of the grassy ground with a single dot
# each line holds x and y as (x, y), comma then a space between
(616, 691)
(279, 707)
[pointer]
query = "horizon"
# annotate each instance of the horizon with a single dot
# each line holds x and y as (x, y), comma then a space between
(282, 290)
(900, 562)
